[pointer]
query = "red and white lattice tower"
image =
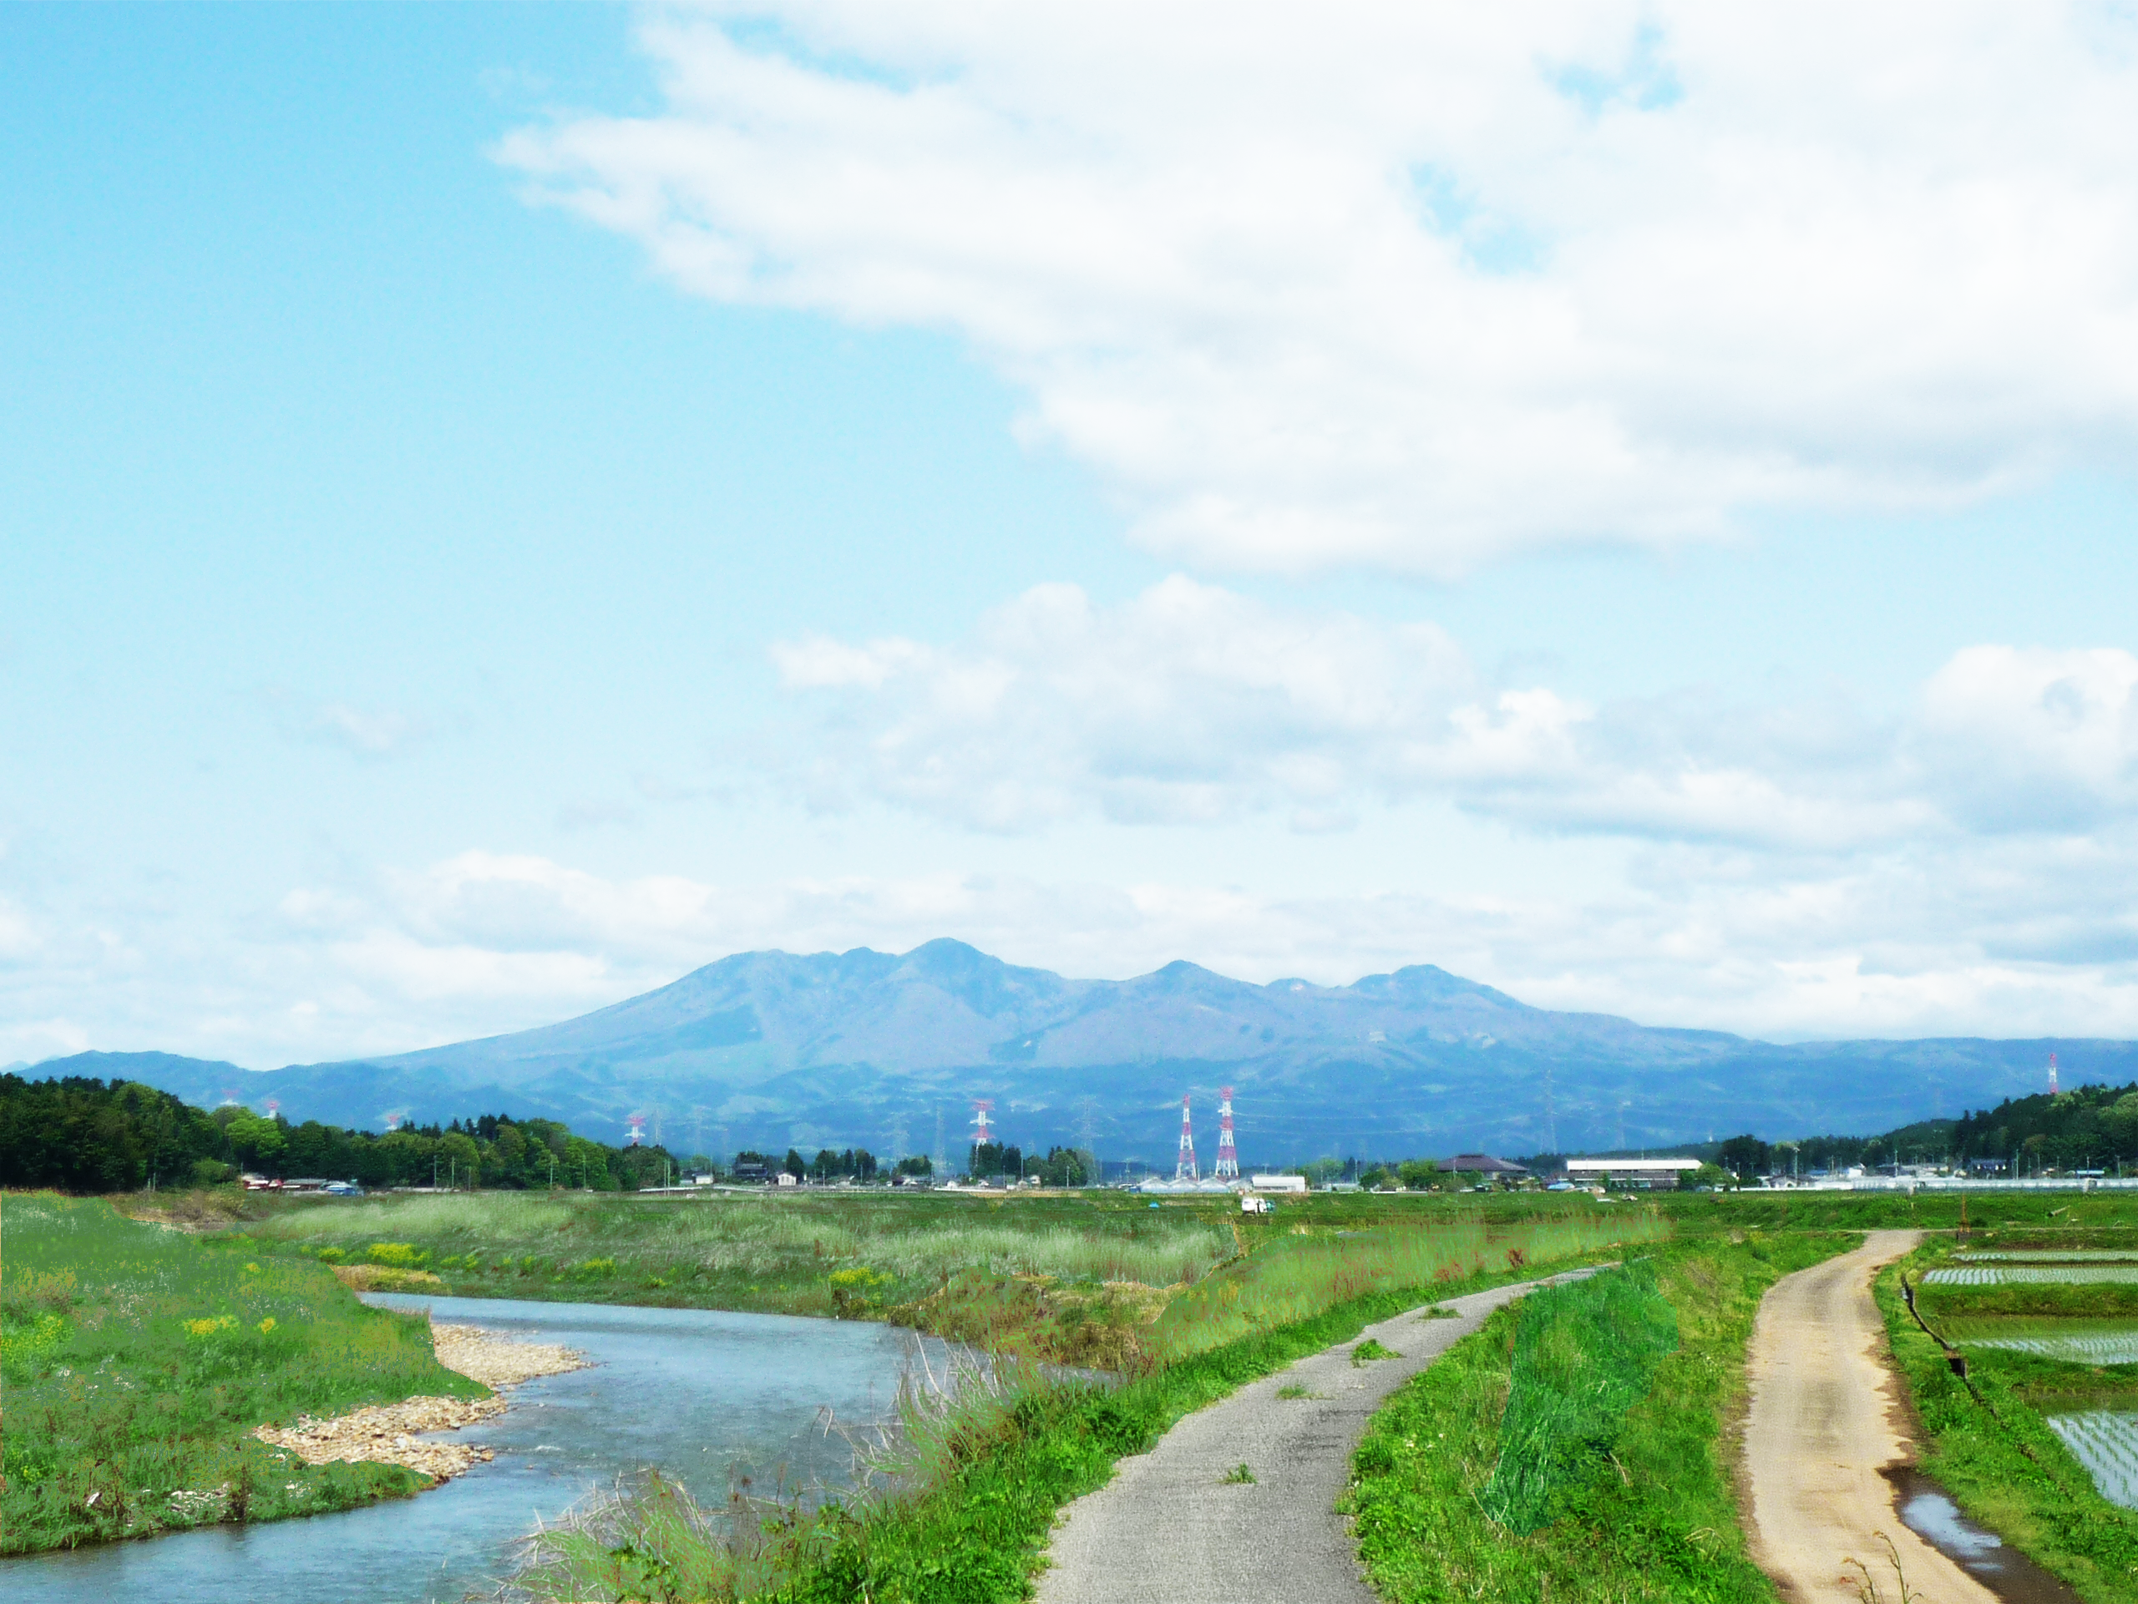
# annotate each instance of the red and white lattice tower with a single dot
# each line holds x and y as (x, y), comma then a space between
(273, 1107)
(637, 1122)
(981, 1108)
(1228, 1156)
(2052, 1074)
(1185, 1170)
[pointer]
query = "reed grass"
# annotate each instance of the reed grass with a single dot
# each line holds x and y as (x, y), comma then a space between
(1073, 1280)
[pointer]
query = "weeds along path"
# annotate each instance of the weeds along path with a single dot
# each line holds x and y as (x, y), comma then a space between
(1180, 1524)
(1827, 1418)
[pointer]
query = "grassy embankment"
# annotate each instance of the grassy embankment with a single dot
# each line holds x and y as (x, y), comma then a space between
(1575, 1448)
(1988, 1444)
(1072, 1279)
(1076, 1279)
(137, 1360)
(977, 1486)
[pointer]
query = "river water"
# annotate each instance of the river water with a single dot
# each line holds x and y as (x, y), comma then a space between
(700, 1394)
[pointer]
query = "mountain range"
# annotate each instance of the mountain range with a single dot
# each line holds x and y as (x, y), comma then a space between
(770, 1050)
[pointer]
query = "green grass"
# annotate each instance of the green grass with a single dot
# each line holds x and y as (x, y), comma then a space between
(136, 1361)
(1584, 1353)
(1999, 1459)
(1076, 1279)
(1642, 1512)
(1293, 1274)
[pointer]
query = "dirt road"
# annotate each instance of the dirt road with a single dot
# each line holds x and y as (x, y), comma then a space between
(1825, 1420)
(1170, 1528)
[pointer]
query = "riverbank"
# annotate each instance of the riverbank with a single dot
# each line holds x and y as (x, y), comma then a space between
(387, 1434)
(712, 1398)
(137, 1360)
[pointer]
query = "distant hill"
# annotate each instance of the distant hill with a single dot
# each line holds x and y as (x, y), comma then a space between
(854, 1048)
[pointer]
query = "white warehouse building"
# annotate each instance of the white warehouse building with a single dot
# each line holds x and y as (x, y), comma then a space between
(1630, 1172)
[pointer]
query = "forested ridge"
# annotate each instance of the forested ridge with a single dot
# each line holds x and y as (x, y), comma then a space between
(86, 1135)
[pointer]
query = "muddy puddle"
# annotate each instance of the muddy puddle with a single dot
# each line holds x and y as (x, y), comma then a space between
(1929, 1511)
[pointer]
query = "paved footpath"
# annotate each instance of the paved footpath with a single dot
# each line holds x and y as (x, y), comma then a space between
(1168, 1529)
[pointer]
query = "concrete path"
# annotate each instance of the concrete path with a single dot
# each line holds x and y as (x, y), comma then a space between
(1169, 1529)
(1826, 1419)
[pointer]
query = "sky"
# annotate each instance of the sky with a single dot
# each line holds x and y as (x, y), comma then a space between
(500, 506)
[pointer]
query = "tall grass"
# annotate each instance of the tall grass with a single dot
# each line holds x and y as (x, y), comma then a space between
(1061, 1279)
(726, 1235)
(1296, 1275)
(1584, 1353)
(137, 1360)
(648, 1538)
(1652, 1523)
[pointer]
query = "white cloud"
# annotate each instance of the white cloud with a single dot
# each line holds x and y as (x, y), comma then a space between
(1193, 704)
(2048, 737)
(1425, 286)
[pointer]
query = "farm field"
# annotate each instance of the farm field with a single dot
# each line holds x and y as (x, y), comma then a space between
(2106, 1443)
(136, 1360)
(2008, 1275)
(2050, 1256)
(2036, 1443)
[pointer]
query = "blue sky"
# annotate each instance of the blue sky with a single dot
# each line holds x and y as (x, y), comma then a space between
(503, 505)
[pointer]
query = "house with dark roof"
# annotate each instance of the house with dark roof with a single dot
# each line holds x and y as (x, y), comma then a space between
(1482, 1164)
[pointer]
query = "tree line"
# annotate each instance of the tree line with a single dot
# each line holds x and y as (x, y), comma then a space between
(81, 1134)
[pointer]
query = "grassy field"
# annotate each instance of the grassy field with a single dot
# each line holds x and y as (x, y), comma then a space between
(1988, 1444)
(1592, 1427)
(982, 1480)
(1095, 1279)
(135, 1361)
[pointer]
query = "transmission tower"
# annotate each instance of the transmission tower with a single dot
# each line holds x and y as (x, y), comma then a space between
(1087, 1114)
(1184, 1168)
(2052, 1074)
(1228, 1156)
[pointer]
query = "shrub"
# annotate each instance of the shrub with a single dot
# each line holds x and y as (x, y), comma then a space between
(397, 1255)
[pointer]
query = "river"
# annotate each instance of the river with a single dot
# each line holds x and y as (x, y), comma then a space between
(700, 1394)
